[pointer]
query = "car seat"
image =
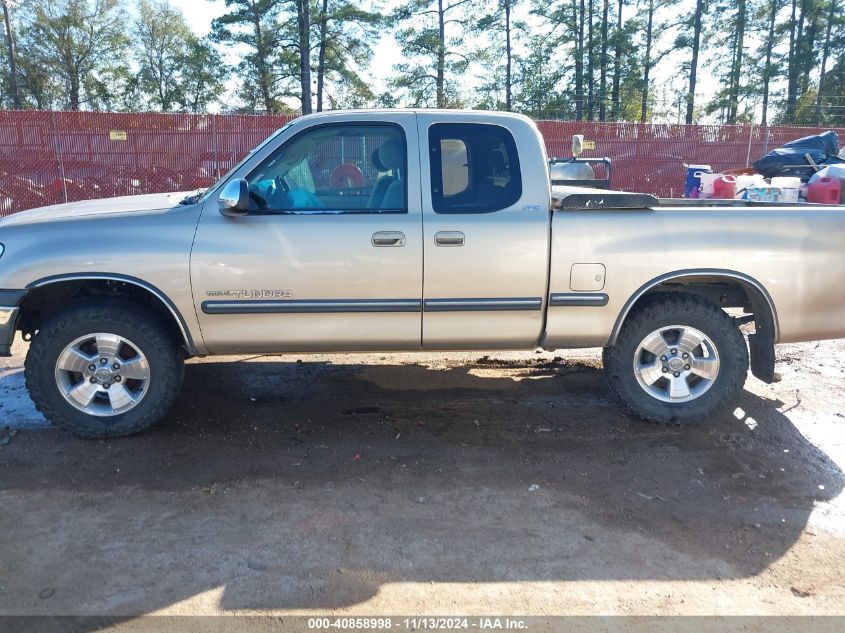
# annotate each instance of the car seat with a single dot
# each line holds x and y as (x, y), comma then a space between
(388, 192)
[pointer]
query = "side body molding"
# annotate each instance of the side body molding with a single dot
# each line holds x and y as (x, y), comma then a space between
(127, 279)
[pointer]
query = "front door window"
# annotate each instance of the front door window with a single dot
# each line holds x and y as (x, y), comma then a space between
(334, 169)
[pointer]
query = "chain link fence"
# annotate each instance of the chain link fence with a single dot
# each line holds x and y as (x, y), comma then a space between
(651, 158)
(53, 157)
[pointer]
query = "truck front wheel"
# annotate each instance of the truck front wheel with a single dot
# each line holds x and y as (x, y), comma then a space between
(679, 359)
(104, 368)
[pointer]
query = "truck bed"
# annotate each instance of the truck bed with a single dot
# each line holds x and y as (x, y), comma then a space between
(571, 198)
(794, 251)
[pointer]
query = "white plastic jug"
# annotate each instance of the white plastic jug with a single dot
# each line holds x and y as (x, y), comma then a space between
(707, 181)
(748, 181)
(789, 186)
(830, 171)
(786, 182)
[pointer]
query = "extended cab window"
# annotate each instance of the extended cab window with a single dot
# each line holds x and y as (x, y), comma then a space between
(334, 168)
(474, 168)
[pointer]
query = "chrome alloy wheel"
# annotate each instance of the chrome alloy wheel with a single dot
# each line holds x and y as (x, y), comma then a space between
(102, 374)
(676, 363)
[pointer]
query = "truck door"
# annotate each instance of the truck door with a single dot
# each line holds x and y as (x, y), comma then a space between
(485, 232)
(329, 256)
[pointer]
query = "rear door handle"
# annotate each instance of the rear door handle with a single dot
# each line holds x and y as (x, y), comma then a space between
(449, 238)
(389, 238)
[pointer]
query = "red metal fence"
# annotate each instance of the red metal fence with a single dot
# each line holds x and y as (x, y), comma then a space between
(51, 157)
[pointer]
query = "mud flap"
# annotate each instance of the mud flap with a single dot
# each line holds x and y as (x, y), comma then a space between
(762, 356)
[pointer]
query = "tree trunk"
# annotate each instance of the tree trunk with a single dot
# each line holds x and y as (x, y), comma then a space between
(321, 59)
(736, 67)
(161, 80)
(767, 70)
(305, 55)
(792, 63)
(616, 106)
(578, 18)
(806, 50)
(693, 69)
(261, 64)
(13, 62)
(73, 97)
(508, 55)
(647, 65)
(590, 93)
(822, 69)
(164, 99)
(603, 63)
(441, 56)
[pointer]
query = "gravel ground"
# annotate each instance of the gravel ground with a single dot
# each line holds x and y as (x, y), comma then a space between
(412, 484)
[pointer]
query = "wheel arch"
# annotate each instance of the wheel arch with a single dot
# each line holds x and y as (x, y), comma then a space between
(693, 280)
(65, 286)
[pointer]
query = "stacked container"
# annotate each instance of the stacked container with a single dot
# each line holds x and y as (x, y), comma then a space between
(825, 190)
(692, 188)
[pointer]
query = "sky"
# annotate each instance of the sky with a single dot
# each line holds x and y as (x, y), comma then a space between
(386, 52)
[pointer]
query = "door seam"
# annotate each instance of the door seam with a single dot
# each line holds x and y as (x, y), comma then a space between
(422, 221)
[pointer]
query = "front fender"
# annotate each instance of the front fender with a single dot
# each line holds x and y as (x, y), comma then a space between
(150, 249)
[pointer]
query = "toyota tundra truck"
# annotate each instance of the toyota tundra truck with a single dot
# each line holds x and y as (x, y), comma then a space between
(409, 230)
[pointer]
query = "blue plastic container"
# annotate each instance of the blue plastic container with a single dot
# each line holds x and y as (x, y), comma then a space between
(693, 184)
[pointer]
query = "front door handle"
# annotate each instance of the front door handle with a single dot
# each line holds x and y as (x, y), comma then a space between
(389, 238)
(449, 238)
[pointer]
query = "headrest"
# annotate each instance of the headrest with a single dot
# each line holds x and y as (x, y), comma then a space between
(390, 155)
(498, 161)
(374, 159)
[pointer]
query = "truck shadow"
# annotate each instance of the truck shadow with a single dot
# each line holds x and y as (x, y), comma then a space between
(312, 485)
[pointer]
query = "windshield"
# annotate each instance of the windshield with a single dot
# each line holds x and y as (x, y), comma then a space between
(228, 174)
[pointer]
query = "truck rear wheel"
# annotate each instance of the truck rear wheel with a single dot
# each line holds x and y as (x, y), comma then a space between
(680, 359)
(104, 368)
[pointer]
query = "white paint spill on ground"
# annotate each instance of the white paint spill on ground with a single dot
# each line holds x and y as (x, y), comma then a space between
(16, 409)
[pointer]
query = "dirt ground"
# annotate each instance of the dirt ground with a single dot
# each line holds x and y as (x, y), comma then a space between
(472, 484)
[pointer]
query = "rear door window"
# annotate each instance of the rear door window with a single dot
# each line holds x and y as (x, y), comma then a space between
(474, 168)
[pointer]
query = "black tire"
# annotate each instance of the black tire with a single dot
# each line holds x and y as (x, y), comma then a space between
(691, 311)
(114, 316)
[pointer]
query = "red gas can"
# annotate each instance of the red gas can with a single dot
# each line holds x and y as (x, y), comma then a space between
(724, 188)
(825, 190)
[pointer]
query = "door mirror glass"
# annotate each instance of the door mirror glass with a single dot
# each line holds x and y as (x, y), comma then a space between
(234, 199)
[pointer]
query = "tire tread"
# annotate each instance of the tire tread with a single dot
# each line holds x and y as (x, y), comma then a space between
(39, 363)
(734, 359)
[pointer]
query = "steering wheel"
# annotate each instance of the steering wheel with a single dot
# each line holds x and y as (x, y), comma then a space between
(259, 200)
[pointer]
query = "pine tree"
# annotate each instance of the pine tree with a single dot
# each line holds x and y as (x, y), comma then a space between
(766, 66)
(172, 61)
(345, 33)
(431, 33)
(495, 25)
(82, 45)
(268, 66)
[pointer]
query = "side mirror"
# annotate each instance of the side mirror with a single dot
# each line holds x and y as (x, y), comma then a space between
(234, 199)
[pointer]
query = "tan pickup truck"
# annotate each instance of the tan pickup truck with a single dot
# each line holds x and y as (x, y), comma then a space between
(409, 230)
